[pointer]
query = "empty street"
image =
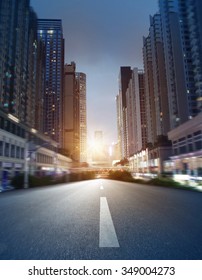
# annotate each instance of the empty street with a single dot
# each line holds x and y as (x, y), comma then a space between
(100, 219)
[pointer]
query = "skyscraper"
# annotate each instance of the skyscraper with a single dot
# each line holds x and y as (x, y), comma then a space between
(51, 34)
(181, 85)
(158, 121)
(74, 113)
(194, 21)
(81, 87)
(18, 44)
(136, 113)
(124, 78)
(70, 104)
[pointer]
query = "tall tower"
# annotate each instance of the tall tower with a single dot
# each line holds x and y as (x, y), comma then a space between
(18, 44)
(194, 9)
(70, 114)
(182, 97)
(124, 78)
(81, 87)
(136, 113)
(51, 34)
(74, 113)
(158, 122)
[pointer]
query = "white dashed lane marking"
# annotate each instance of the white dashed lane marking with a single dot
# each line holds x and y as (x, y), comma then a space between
(108, 237)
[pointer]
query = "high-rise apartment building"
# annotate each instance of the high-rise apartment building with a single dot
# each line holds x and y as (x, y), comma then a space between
(158, 121)
(124, 78)
(158, 114)
(136, 113)
(194, 21)
(18, 58)
(51, 34)
(74, 116)
(81, 87)
(70, 129)
(178, 50)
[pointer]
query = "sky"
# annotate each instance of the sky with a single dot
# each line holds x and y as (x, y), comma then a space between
(100, 37)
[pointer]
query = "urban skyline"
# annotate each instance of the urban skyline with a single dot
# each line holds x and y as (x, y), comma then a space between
(101, 49)
(140, 197)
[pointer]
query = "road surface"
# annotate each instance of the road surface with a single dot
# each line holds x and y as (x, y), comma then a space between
(101, 219)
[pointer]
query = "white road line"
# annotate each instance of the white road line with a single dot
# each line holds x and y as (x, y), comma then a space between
(108, 237)
(101, 187)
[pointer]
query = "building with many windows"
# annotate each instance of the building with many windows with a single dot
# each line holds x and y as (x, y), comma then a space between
(81, 88)
(182, 98)
(23, 148)
(124, 78)
(50, 33)
(187, 148)
(18, 59)
(74, 116)
(136, 113)
(157, 109)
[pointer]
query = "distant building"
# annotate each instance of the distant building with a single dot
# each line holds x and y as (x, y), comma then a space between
(51, 34)
(136, 113)
(124, 78)
(158, 120)
(74, 114)
(100, 152)
(70, 112)
(81, 87)
(158, 115)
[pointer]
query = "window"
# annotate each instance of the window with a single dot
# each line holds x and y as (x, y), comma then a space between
(12, 151)
(7, 149)
(190, 147)
(2, 122)
(198, 145)
(1, 148)
(183, 150)
(22, 153)
(197, 133)
(18, 152)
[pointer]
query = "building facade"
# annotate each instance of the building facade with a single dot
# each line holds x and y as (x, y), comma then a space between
(25, 149)
(50, 33)
(182, 98)
(81, 87)
(158, 114)
(187, 149)
(124, 78)
(18, 59)
(74, 116)
(136, 113)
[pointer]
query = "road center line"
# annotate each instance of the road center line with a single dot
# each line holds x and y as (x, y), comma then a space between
(108, 237)
(101, 187)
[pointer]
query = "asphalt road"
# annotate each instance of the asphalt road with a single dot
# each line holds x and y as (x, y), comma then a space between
(101, 219)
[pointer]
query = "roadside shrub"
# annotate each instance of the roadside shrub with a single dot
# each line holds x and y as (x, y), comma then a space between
(165, 182)
(121, 175)
(33, 181)
(79, 176)
(139, 181)
(18, 181)
(88, 175)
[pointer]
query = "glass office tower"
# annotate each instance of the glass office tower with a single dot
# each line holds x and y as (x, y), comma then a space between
(18, 45)
(51, 34)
